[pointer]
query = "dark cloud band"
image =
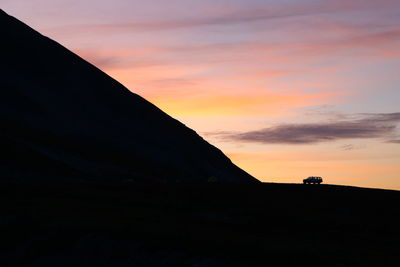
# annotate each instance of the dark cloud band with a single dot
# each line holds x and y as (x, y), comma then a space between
(368, 126)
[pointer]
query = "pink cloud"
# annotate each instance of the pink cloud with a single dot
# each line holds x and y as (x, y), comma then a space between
(233, 16)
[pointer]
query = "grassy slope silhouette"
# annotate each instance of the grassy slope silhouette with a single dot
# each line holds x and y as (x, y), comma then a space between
(198, 225)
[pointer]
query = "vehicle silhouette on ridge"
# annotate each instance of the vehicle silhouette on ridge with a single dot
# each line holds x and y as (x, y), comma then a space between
(313, 180)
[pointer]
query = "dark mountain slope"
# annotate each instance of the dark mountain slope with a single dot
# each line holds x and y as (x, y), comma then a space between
(62, 117)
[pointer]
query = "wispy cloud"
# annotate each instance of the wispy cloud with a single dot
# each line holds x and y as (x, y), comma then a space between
(394, 141)
(368, 126)
(347, 147)
(234, 16)
(351, 147)
(383, 42)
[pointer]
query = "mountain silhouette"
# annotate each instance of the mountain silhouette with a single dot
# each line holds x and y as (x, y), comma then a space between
(64, 119)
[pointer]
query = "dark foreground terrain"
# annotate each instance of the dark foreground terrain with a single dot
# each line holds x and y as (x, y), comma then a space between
(198, 225)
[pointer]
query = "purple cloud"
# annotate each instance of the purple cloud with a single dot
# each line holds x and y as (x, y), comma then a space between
(368, 126)
(239, 15)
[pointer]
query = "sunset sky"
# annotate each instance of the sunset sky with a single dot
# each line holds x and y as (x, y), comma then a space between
(287, 89)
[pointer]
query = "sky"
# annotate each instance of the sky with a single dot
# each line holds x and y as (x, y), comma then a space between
(286, 89)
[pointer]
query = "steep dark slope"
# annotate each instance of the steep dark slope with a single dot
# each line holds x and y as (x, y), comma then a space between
(61, 117)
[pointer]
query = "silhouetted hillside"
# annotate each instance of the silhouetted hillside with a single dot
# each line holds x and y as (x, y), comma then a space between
(62, 118)
(198, 225)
